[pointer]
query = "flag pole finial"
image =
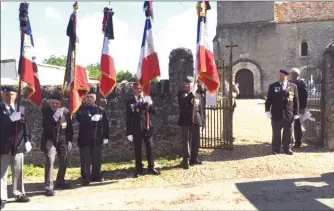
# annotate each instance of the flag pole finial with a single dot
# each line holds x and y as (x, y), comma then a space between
(75, 5)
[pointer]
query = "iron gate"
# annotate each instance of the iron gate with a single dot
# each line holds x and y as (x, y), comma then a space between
(218, 118)
(312, 75)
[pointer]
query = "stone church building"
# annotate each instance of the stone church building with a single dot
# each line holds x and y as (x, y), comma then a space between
(271, 36)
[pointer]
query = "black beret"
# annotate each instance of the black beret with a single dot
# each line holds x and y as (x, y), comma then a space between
(8, 89)
(189, 79)
(92, 90)
(55, 96)
(284, 72)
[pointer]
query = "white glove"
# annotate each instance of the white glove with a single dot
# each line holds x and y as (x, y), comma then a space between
(148, 99)
(15, 116)
(295, 117)
(130, 137)
(69, 146)
(105, 141)
(195, 87)
(96, 117)
(28, 146)
(22, 109)
(58, 114)
(268, 113)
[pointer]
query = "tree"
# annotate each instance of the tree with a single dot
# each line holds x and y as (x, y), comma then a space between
(55, 60)
(125, 75)
(94, 71)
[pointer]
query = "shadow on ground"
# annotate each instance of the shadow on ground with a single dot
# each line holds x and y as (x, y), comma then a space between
(244, 151)
(291, 194)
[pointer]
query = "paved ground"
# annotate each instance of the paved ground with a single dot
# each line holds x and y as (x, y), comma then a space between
(292, 192)
(242, 179)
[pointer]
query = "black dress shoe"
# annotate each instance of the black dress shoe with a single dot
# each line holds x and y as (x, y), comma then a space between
(98, 179)
(196, 162)
(63, 186)
(297, 145)
(138, 174)
(22, 198)
(85, 183)
(289, 152)
(50, 193)
(153, 171)
(3, 204)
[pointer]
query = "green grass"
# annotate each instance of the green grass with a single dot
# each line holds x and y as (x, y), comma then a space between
(33, 173)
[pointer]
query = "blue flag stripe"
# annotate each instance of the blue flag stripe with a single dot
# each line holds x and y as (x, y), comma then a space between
(148, 26)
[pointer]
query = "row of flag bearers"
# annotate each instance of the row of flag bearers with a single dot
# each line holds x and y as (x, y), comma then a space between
(57, 135)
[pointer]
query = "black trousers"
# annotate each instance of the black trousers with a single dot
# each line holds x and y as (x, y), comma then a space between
(297, 132)
(138, 143)
(91, 161)
(277, 139)
(191, 142)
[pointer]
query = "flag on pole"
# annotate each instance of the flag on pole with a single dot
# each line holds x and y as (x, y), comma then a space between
(108, 70)
(75, 79)
(148, 67)
(28, 70)
(205, 66)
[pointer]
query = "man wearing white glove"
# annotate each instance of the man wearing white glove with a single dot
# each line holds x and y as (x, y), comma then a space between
(56, 139)
(282, 106)
(302, 94)
(93, 133)
(12, 150)
(139, 127)
(191, 119)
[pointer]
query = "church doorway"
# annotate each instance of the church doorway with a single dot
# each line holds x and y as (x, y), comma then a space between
(245, 79)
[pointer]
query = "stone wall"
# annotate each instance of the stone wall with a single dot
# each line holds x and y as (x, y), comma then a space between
(166, 139)
(329, 97)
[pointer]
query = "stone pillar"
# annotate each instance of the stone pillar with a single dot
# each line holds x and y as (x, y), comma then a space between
(181, 65)
(328, 98)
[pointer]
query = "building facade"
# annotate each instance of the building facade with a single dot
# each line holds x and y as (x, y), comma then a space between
(272, 36)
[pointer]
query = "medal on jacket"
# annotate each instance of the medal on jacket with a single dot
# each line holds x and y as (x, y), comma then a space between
(63, 125)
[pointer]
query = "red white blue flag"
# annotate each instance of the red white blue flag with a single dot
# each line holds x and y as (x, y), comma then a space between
(108, 70)
(28, 70)
(205, 66)
(148, 67)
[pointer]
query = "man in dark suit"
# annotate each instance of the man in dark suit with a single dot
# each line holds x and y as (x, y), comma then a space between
(282, 106)
(139, 127)
(191, 120)
(93, 132)
(302, 94)
(56, 140)
(15, 140)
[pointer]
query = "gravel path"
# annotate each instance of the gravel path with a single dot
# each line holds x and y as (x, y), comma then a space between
(227, 180)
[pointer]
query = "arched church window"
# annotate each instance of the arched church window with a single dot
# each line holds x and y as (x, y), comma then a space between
(304, 49)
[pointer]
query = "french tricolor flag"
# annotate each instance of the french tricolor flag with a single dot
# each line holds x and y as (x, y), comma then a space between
(205, 66)
(148, 68)
(28, 70)
(108, 70)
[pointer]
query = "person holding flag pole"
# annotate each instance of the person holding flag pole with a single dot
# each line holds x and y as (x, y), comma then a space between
(140, 105)
(15, 134)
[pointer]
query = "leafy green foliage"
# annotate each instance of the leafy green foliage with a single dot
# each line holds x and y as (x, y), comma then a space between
(93, 69)
(55, 60)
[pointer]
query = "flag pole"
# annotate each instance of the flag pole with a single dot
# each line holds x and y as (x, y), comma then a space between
(23, 18)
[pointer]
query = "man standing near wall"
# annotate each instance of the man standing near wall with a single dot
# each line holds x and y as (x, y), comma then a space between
(93, 132)
(282, 106)
(139, 127)
(56, 140)
(15, 140)
(302, 94)
(235, 93)
(190, 120)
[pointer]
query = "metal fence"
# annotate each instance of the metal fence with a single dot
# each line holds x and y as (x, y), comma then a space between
(314, 81)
